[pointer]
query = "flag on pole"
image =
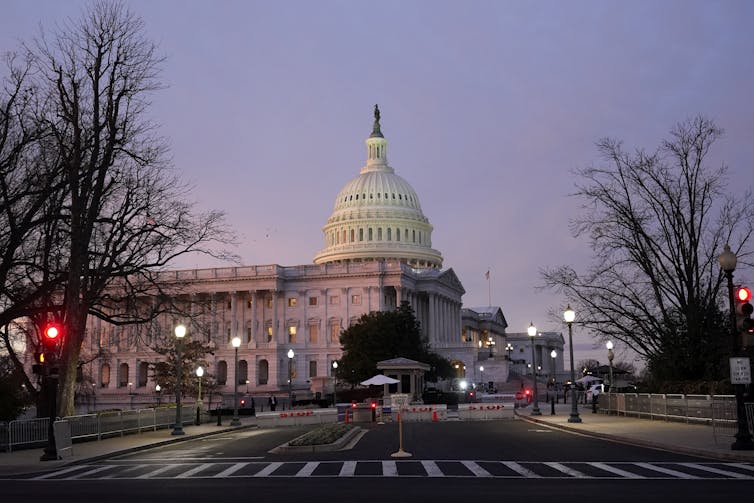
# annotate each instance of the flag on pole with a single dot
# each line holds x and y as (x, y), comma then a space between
(487, 274)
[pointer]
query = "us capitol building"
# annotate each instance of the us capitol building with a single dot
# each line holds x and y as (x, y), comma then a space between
(377, 253)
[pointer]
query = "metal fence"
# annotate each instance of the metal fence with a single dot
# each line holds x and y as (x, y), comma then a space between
(33, 432)
(719, 411)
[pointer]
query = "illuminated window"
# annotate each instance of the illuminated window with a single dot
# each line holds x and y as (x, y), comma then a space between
(268, 301)
(334, 300)
(356, 300)
(292, 334)
(335, 333)
(292, 302)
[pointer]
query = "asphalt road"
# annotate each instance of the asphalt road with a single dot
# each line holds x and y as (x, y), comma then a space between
(449, 460)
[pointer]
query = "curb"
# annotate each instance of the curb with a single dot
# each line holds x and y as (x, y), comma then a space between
(335, 446)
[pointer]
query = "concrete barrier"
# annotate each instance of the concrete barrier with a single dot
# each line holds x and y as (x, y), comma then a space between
(482, 411)
(296, 417)
(427, 413)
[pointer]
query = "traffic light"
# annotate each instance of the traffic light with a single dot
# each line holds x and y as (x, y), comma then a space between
(39, 361)
(744, 323)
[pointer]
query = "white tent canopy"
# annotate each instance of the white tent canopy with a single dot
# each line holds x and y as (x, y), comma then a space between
(380, 379)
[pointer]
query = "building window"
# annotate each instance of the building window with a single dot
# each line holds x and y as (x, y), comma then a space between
(312, 301)
(356, 300)
(292, 335)
(243, 372)
(263, 372)
(292, 302)
(313, 368)
(105, 376)
(379, 233)
(353, 234)
(361, 234)
(269, 302)
(248, 303)
(389, 234)
(334, 300)
(123, 375)
(397, 234)
(222, 372)
(335, 333)
(370, 234)
(248, 334)
(269, 333)
(313, 334)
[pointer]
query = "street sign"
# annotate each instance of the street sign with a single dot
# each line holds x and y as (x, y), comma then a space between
(740, 371)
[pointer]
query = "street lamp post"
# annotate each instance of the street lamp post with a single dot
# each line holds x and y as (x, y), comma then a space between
(335, 383)
(490, 344)
(199, 374)
(481, 372)
(532, 331)
(236, 342)
(158, 390)
(553, 355)
(743, 440)
(180, 332)
(610, 356)
(569, 315)
(291, 354)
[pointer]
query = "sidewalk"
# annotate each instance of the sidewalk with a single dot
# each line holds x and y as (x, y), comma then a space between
(685, 438)
(27, 460)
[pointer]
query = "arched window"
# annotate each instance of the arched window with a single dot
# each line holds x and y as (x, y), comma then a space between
(353, 236)
(389, 234)
(379, 233)
(370, 234)
(222, 372)
(104, 375)
(397, 234)
(263, 372)
(361, 234)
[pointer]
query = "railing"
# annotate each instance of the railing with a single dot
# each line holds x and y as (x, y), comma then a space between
(719, 411)
(33, 432)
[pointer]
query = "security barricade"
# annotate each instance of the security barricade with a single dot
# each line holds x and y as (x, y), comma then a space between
(296, 417)
(27, 433)
(426, 413)
(485, 411)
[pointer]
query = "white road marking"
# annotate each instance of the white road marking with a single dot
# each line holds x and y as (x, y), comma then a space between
(667, 471)
(158, 471)
(60, 472)
(389, 469)
(229, 471)
(268, 469)
(524, 472)
(308, 469)
(568, 471)
(476, 469)
(432, 469)
(616, 471)
(193, 471)
(348, 469)
(718, 471)
(90, 472)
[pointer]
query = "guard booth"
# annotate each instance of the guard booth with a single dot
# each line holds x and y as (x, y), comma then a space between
(409, 372)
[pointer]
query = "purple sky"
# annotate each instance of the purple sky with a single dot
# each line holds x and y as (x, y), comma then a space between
(488, 107)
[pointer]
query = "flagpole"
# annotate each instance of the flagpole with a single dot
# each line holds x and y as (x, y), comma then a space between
(489, 289)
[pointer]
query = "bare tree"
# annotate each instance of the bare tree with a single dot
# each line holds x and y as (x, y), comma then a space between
(657, 222)
(123, 214)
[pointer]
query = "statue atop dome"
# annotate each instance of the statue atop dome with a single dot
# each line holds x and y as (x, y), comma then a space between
(376, 133)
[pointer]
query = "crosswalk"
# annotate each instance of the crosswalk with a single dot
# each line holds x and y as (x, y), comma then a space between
(209, 469)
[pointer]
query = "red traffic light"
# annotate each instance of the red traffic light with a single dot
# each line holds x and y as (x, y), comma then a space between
(52, 332)
(374, 405)
(743, 294)
(527, 391)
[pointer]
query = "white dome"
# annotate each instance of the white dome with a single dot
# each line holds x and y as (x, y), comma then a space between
(377, 216)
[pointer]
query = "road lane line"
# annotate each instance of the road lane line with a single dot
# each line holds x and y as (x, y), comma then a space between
(194, 470)
(718, 471)
(158, 471)
(389, 469)
(741, 465)
(90, 472)
(476, 469)
(432, 469)
(567, 470)
(61, 472)
(617, 471)
(308, 469)
(268, 469)
(229, 471)
(667, 471)
(525, 472)
(348, 469)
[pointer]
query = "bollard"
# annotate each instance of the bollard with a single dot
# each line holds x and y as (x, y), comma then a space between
(552, 406)
(219, 416)
(434, 415)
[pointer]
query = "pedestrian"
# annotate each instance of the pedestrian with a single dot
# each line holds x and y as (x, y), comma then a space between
(253, 408)
(273, 402)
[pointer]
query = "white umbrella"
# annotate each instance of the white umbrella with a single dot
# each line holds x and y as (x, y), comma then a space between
(588, 379)
(380, 379)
